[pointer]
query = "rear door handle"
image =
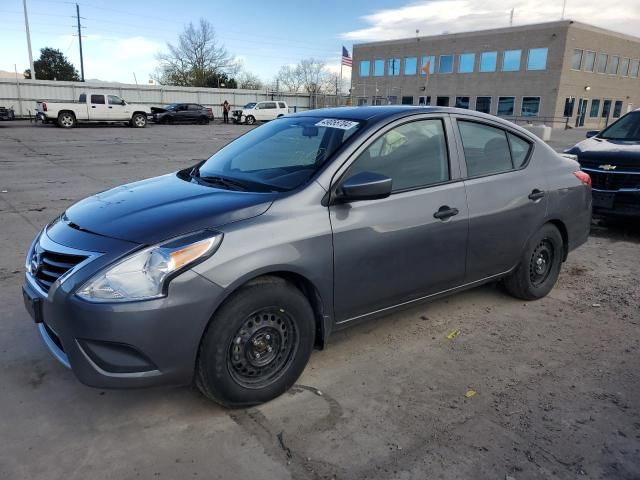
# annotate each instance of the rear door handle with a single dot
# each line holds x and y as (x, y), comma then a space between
(536, 194)
(445, 212)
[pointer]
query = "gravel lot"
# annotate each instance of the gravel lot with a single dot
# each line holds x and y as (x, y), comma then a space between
(557, 380)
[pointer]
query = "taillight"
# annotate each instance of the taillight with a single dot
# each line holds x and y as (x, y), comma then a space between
(44, 107)
(583, 177)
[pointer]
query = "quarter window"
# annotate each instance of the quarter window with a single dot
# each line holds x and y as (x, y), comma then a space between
(429, 60)
(282, 105)
(394, 67)
(486, 149)
(410, 65)
(412, 155)
(378, 68)
(466, 62)
(576, 62)
(530, 106)
(446, 64)
(612, 65)
(462, 102)
(97, 99)
(589, 61)
(595, 108)
(488, 61)
(506, 106)
(602, 62)
(511, 60)
(365, 67)
(483, 104)
(519, 149)
(537, 59)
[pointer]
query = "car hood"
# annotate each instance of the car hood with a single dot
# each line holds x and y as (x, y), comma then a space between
(159, 208)
(614, 152)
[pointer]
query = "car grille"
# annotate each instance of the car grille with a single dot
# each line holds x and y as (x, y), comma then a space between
(613, 181)
(52, 266)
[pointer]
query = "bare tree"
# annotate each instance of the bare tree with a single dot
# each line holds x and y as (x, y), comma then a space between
(314, 75)
(289, 78)
(248, 81)
(197, 56)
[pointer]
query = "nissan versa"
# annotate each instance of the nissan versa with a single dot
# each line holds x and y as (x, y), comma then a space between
(228, 273)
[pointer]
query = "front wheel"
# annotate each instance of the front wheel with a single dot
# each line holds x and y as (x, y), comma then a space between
(139, 120)
(538, 270)
(257, 344)
(251, 120)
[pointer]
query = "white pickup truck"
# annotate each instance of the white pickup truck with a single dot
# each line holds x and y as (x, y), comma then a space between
(92, 107)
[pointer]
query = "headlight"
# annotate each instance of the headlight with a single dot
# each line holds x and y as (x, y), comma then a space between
(144, 274)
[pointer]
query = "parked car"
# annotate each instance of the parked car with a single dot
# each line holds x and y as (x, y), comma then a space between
(7, 113)
(182, 113)
(231, 271)
(260, 112)
(612, 159)
(92, 108)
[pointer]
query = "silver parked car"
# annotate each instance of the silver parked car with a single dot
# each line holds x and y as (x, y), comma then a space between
(230, 272)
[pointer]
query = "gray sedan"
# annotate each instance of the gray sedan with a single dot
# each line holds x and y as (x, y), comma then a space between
(230, 272)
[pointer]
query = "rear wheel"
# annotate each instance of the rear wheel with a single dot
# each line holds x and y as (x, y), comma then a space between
(66, 120)
(538, 270)
(204, 121)
(257, 345)
(250, 120)
(139, 120)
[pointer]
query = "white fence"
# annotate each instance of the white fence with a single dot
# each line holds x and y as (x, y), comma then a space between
(22, 95)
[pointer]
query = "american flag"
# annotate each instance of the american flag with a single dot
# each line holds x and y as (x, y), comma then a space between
(346, 59)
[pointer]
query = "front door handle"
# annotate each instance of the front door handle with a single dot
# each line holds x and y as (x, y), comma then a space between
(110, 107)
(536, 194)
(93, 106)
(445, 212)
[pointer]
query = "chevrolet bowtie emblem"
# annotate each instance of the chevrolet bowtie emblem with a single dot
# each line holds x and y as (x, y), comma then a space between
(607, 167)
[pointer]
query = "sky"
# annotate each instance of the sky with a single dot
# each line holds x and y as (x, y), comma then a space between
(123, 37)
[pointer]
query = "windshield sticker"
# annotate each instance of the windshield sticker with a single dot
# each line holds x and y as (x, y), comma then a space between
(335, 123)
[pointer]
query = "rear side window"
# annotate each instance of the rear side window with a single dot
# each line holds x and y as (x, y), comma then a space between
(519, 149)
(269, 105)
(195, 107)
(97, 99)
(412, 155)
(486, 149)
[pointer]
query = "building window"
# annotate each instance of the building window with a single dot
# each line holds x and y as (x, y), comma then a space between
(617, 109)
(624, 67)
(378, 68)
(576, 62)
(483, 104)
(442, 101)
(530, 106)
(602, 62)
(589, 61)
(365, 67)
(462, 102)
(407, 100)
(606, 108)
(537, 59)
(488, 61)
(362, 101)
(612, 65)
(392, 100)
(429, 60)
(394, 67)
(425, 100)
(466, 62)
(410, 65)
(446, 64)
(595, 108)
(569, 103)
(377, 100)
(511, 60)
(505, 106)
(633, 69)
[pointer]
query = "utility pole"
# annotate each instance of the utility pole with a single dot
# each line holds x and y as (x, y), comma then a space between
(511, 18)
(26, 26)
(564, 5)
(80, 42)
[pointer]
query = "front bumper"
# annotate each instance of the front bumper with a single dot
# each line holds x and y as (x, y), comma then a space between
(126, 345)
(624, 203)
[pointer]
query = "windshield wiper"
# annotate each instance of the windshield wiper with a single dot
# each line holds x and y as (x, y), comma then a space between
(225, 182)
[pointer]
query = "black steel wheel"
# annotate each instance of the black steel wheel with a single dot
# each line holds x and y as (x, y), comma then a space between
(541, 262)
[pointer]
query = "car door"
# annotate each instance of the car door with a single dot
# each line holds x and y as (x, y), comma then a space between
(116, 110)
(182, 113)
(98, 108)
(394, 250)
(505, 192)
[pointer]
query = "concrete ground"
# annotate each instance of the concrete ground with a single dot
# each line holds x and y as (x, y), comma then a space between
(557, 380)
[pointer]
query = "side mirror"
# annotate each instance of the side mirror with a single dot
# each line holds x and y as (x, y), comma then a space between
(365, 186)
(592, 133)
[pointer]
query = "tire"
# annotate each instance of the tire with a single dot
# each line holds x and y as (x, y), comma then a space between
(204, 121)
(66, 120)
(257, 344)
(139, 120)
(538, 270)
(250, 120)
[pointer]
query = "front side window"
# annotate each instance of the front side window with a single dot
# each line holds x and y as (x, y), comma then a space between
(412, 155)
(462, 102)
(530, 106)
(97, 99)
(595, 108)
(486, 150)
(410, 65)
(602, 62)
(576, 61)
(488, 61)
(394, 67)
(483, 104)
(627, 128)
(446, 64)
(537, 59)
(466, 62)
(428, 63)
(378, 68)
(617, 109)
(624, 67)
(280, 155)
(633, 69)
(589, 61)
(365, 66)
(612, 65)
(511, 60)
(506, 106)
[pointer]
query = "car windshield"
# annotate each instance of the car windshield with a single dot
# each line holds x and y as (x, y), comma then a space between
(250, 105)
(280, 155)
(627, 128)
